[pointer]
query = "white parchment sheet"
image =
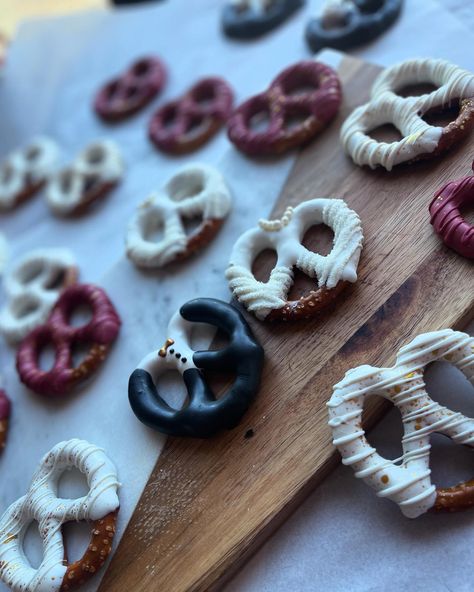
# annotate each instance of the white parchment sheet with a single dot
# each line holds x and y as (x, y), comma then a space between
(54, 68)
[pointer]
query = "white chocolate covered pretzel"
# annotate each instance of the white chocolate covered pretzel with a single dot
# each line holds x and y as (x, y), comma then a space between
(406, 480)
(196, 190)
(406, 113)
(284, 236)
(42, 504)
(25, 171)
(32, 287)
(94, 172)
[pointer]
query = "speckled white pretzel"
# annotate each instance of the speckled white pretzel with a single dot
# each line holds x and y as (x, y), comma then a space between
(25, 170)
(285, 236)
(94, 172)
(196, 190)
(41, 504)
(405, 113)
(405, 480)
(32, 287)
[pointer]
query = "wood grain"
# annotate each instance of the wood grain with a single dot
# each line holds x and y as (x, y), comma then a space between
(209, 504)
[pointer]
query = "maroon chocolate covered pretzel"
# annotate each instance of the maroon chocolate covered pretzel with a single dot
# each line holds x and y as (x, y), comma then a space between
(447, 219)
(136, 87)
(5, 408)
(98, 334)
(287, 99)
(185, 124)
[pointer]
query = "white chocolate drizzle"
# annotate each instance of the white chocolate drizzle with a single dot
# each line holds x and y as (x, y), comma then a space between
(405, 113)
(32, 287)
(196, 190)
(340, 264)
(42, 505)
(405, 480)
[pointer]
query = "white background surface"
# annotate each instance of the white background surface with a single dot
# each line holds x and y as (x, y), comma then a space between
(342, 538)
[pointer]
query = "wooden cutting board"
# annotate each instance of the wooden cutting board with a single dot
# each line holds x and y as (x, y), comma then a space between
(209, 504)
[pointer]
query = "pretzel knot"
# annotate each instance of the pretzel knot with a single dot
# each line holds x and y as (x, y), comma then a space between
(347, 23)
(447, 219)
(196, 190)
(98, 334)
(136, 87)
(41, 504)
(203, 415)
(91, 176)
(5, 409)
(406, 480)
(185, 124)
(32, 288)
(420, 139)
(288, 98)
(25, 171)
(246, 19)
(268, 300)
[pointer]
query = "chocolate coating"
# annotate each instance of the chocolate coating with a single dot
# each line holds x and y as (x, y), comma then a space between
(185, 124)
(446, 217)
(249, 23)
(204, 415)
(129, 93)
(5, 409)
(363, 23)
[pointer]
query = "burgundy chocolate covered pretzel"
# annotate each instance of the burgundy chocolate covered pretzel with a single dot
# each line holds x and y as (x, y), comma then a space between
(446, 217)
(136, 87)
(5, 408)
(98, 334)
(185, 124)
(282, 103)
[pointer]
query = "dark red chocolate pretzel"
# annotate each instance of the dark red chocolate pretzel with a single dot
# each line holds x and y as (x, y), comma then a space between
(317, 106)
(5, 408)
(446, 217)
(187, 123)
(136, 87)
(98, 334)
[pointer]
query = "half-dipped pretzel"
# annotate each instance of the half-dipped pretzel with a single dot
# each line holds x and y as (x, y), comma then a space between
(25, 171)
(5, 409)
(406, 480)
(318, 106)
(185, 124)
(91, 176)
(32, 287)
(420, 139)
(347, 23)
(196, 190)
(203, 415)
(447, 219)
(247, 19)
(268, 300)
(98, 335)
(134, 89)
(42, 505)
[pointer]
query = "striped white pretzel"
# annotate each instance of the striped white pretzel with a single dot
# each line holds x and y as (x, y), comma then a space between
(196, 190)
(406, 113)
(284, 236)
(406, 480)
(32, 287)
(25, 171)
(94, 172)
(42, 504)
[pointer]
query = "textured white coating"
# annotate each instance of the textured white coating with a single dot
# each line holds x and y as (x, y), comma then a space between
(42, 505)
(28, 166)
(32, 287)
(99, 163)
(405, 113)
(285, 236)
(196, 190)
(405, 480)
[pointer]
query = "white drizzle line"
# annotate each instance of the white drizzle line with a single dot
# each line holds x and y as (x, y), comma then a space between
(409, 483)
